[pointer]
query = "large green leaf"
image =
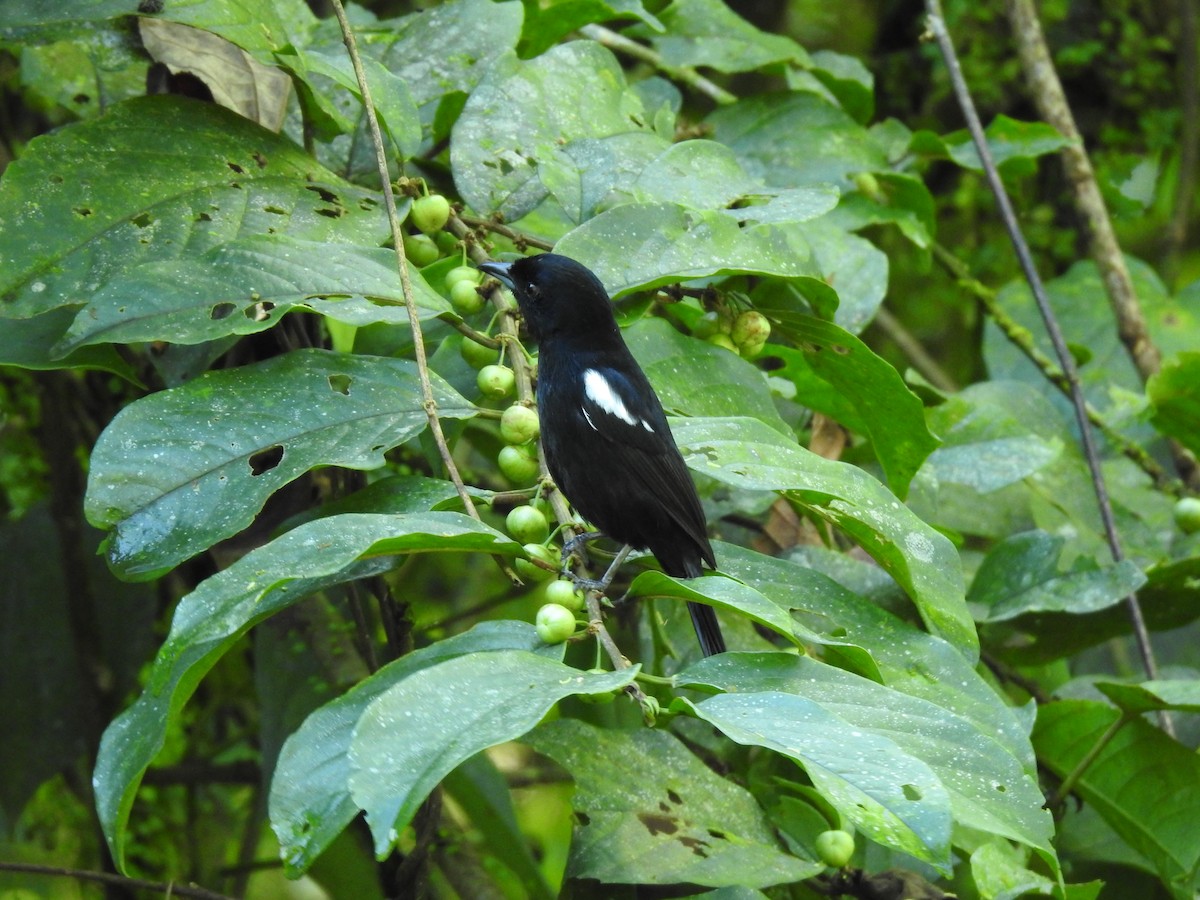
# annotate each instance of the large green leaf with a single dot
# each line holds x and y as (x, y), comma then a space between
(522, 111)
(637, 246)
(794, 139)
(417, 731)
(1144, 784)
(1021, 575)
(155, 179)
(990, 787)
(694, 378)
(31, 343)
(310, 802)
(210, 619)
(891, 415)
(246, 286)
(1151, 696)
(591, 174)
(179, 470)
(648, 811)
(892, 797)
(748, 454)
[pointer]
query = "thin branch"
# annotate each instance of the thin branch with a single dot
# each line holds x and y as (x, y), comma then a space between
(920, 358)
(938, 26)
(1051, 100)
(521, 238)
(170, 888)
(1021, 338)
(410, 305)
(1068, 783)
(685, 74)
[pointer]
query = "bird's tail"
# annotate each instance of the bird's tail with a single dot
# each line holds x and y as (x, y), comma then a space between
(708, 630)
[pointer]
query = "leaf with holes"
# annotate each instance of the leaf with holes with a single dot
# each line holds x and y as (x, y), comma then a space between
(179, 470)
(271, 578)
(661, 816)
(245, 286)
(178, 179)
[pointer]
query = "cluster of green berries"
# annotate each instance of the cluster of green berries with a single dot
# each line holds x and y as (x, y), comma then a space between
(745, 334)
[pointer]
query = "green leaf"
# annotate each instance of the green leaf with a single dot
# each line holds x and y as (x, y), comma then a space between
(708, 33)
(720, 592)
(1008, 139)
(27, 343)
(522, 111)
(891, 415)
(848, 79)
(1000, 872)
(394, 105)
(1151, 696)
(1021, 574)
(637, 246)
(310, 802)
(547, 23)
(592, 173)
(696, 174)
(420, 729)
(1175, 393)
(902, 200)
(179, 470)
(694, 378)
(906, 659)
(158, 178)
(1080, 301)
(747, 454)
(794, 139)
(244, 287)
(1158, 819)
(990, 788)
(210, 619)
(893, 798)
(661, 816)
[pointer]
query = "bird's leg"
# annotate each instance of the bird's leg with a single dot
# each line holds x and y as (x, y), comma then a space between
(580, 540)
(605, 580)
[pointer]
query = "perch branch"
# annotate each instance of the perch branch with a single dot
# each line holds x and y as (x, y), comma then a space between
(685, 74)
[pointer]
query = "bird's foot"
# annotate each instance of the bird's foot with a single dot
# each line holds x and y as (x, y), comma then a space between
(580, 540)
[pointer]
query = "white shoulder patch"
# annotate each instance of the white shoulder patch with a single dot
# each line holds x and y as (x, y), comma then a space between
(600, 392)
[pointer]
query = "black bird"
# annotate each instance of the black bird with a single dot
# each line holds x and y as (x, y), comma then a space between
(604, 433)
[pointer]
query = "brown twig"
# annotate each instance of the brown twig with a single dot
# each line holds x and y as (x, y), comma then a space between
(685, 74)
(170, 888)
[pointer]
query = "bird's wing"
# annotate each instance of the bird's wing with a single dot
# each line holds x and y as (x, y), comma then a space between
(624, 411)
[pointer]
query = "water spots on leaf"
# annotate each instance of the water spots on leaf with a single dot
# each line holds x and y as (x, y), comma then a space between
(340, 383)
(265, 460)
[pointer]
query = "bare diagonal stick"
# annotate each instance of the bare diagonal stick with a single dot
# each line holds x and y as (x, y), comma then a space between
(938, 26)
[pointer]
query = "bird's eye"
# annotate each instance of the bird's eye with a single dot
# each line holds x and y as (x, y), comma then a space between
(532, 290)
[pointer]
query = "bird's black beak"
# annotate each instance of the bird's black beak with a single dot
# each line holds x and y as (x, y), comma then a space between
(499, 271)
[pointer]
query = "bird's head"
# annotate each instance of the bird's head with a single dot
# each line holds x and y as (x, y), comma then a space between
(558, 296)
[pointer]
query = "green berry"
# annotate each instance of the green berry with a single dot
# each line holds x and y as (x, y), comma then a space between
(722, 340)
(430, 213)
(465, 299)
(531, 572)
(835, 847)
(1187, 514)
(554, 623)
(496, 382)
(446, 242)
(420, 250)
(462, 273)
(476, 355)
(564, 593)
(518, 464)
(527, 525)
(750, 332)
(519, 425)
